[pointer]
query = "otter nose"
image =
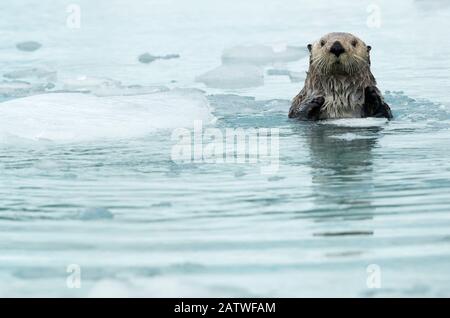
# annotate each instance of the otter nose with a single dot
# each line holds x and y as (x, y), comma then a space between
(337, 48)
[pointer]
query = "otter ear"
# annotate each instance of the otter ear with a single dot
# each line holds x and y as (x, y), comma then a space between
(309, 46)
(369, 48)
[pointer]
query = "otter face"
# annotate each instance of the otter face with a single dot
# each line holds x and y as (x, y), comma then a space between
(339, 54)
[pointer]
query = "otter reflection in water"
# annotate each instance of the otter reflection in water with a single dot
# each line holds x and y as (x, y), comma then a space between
(342, 169)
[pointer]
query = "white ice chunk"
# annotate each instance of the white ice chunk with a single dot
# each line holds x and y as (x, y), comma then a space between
(294, 77)
(8, 88)
(32, 73)
(278, 72)
(87, 84)
(21, 88)
(100, 86)
(73, 117)
(255, 54)
(292, 53)
(355, 122)
(233, 76)
(261, 54)
(130, 90)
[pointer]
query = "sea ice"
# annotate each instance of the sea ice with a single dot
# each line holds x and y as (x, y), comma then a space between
(256, 54)
(124, 90)
(290, 54)
(278, 72)
(100, 86)
(8, 88)
(11, 89)
(87, 84)
(231, 104)
(32, 73)
(233, 76)
(73, 117)
(242, 66)
(355, 122)
(261, 54)
(294, 77)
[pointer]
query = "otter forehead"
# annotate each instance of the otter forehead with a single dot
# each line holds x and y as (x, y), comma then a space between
(343, 37)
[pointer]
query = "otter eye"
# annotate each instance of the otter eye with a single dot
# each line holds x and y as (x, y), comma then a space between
(354, 43)
(322, 42)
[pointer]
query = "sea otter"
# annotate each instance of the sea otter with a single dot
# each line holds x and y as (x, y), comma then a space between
(339, 83)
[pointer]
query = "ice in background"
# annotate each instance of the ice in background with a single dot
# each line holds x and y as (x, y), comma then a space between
(87, 177)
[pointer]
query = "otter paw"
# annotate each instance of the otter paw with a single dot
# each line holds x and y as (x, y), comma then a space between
(320, 100)
(311, 109)
(372, 96)
(374, 106)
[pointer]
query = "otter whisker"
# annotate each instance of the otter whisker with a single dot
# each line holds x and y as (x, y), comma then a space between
(359, 58)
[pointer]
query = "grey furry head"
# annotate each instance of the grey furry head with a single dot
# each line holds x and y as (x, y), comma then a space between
(339, 53)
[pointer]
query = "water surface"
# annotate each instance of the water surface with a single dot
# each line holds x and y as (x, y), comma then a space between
(109, 198)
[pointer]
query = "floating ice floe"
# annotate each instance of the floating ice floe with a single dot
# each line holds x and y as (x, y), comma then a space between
(34, 73)
(28, 46)
(262, 54)
(127, 90)
(148, 58)
(100, 86)
(87, 84)
(231, 104)
(278, 72)
(242, 66)
(74, 117)
(27, 81)
(293, 76)
(14, 89)
(296, 77)
(355, 122)
(8, 88)
(233, 76)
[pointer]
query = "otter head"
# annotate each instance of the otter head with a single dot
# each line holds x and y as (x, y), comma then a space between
(339, 54)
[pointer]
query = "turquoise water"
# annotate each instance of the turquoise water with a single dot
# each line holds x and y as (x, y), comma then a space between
(87, 176)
